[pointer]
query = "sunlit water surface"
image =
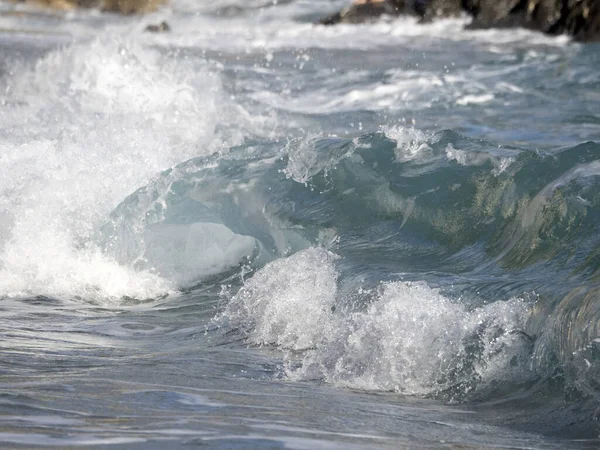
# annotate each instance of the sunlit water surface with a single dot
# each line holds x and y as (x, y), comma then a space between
(256, 232)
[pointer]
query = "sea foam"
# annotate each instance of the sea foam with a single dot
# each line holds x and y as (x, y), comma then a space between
(407, 337)
(95, 121)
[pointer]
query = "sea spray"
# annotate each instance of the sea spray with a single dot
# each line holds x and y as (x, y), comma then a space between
(409, 338)
(102, 118)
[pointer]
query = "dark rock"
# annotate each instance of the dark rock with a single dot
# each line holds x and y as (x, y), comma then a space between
(332, 19)
(162, 27)
(578, 18)
(432, 9)
(582, 20)
(542, 15)
(131, 6)
(367, 10)
(88, 3)
(488, 12)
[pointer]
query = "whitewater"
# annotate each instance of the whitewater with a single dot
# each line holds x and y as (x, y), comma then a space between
(257, 232)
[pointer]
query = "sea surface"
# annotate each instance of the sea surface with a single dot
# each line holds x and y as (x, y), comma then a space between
(253, 232)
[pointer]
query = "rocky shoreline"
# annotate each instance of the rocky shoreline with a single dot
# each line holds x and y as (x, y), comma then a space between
(577, 18)
(115, 6)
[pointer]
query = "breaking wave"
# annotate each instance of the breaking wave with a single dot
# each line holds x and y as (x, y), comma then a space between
(505, 238)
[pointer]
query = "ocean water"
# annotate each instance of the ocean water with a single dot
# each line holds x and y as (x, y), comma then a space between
(256, 232)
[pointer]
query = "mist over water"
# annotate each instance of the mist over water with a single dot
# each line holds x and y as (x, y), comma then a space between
(253, 231)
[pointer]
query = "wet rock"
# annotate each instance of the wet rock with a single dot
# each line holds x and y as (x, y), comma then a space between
(131, 6)
(542, 15)
(582, 20)
(432, 9)
(489, 12)
(365, 10)
(578, 18)
(162, 27)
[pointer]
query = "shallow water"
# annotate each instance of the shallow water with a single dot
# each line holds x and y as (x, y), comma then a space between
(255, 232)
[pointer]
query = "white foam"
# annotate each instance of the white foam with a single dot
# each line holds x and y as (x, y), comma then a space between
(466, 158)
(271, 30)
(288, 302)
(92, 122)
(410, 339)
(415, 341)
(403, 90)
(411, 143)
(99, 120)
(475, 99)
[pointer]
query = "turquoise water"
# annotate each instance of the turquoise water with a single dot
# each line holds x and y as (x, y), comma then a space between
(255, 232)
